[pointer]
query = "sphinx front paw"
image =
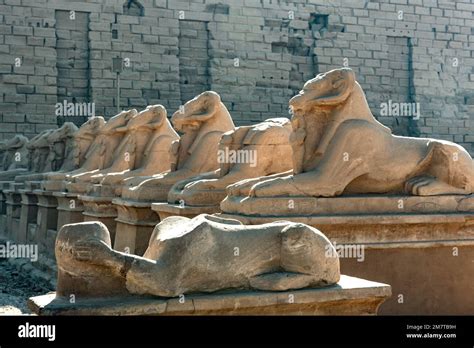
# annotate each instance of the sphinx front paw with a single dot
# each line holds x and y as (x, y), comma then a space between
(269, 188)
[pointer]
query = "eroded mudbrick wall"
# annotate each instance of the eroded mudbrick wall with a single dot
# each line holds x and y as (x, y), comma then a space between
(417, 55)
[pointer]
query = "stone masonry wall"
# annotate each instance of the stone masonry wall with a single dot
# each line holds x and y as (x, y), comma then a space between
(255, 53)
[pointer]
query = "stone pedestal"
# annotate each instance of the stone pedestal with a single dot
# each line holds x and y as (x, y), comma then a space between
(28, 215)
(4, 185)
(47, 218)
(351, 296)
(3, 213)
(100, 209)
(9, 175)
(422, 246)
(13, 210)
(166, 209)
(53, 185)
(135, 224)
(70, 209)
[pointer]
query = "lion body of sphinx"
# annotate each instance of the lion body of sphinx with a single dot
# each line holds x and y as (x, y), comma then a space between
(372, 168)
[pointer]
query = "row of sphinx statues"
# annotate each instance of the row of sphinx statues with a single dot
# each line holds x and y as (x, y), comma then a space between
(332, 146)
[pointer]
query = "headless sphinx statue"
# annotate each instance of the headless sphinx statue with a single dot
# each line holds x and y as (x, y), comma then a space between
(246, 152)
(195, 255)
(340, 148)
(202, 121)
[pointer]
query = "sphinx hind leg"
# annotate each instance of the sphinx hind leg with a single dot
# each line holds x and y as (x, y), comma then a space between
(448, 172)
(425, 185)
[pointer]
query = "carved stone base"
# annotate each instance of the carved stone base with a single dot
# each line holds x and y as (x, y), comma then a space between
(47, 218)
(53, 185)
(13, 211)
(3, 214)
(9, 175)
(35, 177)
(411, 243)
(165, 210)
(135, 224)
(346, 205)
(351, 296)
(28, 214)
(70, 209)
(100, 209)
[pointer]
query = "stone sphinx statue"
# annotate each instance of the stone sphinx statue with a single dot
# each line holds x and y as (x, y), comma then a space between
(16, 158)
(110, 145)
(203, 120)
(39, 155)
(246, 152)
(48, 151)
(195, 255)
(76, 153)
(94, 147)
(38, 152)
(62, 145)
(150, 135)
(339, 148)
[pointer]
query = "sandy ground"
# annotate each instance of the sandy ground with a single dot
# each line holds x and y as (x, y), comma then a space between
(16, 287)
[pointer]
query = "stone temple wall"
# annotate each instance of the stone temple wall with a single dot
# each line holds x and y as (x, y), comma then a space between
(255, 53)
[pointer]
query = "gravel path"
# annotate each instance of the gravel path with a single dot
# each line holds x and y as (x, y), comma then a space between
(16, 287)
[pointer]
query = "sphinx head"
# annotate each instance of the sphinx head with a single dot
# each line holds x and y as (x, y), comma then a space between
(40, 140)
(154, 116)
(18, 141)
(326, 90)
(68, 130)
(118, 123)
(196, 111)
(91, 127)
